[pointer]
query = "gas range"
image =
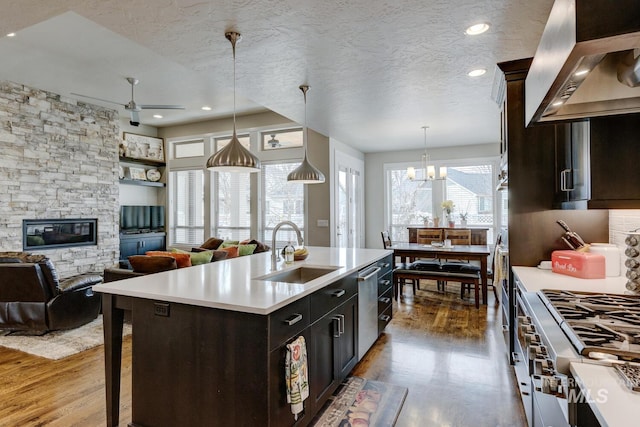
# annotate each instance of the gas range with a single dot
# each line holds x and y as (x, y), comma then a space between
(600, 326)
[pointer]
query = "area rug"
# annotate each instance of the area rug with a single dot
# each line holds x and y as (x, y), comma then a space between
(360, 402)
(59, 344)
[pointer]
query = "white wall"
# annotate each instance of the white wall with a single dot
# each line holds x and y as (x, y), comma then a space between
(374, 179)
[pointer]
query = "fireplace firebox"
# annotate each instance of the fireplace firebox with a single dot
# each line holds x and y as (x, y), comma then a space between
(58, 233)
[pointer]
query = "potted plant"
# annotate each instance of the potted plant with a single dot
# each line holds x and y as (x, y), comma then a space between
(425, 220)
(448, 206)
(463, 219)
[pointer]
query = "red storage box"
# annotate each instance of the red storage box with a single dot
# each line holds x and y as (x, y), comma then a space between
(584, 265)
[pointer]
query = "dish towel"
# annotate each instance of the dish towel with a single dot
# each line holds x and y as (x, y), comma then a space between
(297, 376)
(499, 267)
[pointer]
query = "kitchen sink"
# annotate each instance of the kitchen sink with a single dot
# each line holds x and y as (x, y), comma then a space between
(298, 275)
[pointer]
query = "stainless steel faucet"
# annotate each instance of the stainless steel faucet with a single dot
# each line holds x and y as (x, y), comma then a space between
(275, 256)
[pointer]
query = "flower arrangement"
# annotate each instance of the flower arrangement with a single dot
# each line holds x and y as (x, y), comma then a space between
(448, 206)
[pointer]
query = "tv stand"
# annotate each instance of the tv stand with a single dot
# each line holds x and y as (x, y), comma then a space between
(139, 244)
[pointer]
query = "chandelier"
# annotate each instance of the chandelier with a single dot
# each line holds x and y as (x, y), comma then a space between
(428, 171)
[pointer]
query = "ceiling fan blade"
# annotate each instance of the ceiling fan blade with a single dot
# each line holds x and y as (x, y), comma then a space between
(97, 99)
(162, 107)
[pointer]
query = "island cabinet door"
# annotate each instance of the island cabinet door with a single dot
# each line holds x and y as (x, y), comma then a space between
(335, 344)
(198, 366)
(280, 411)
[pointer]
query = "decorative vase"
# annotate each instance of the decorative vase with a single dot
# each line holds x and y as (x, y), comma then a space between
(463, 223)
(449, 220)
(452, 224)
(436, 222)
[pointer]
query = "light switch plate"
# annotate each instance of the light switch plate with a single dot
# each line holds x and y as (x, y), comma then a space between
(323, 223)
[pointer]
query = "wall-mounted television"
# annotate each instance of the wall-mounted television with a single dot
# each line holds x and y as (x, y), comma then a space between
(58, 233)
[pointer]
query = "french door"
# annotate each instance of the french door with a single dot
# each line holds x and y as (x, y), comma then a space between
(349, 230)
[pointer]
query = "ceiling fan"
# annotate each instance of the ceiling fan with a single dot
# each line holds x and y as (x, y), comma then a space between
(273, 142)
(132, 106)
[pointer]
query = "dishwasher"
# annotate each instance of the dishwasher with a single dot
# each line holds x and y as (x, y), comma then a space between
(367, 308)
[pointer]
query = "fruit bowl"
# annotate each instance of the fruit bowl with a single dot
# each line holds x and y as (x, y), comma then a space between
(300, 254)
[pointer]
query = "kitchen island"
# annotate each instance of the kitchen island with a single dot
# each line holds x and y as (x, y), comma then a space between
(209, 341)
(607, 400)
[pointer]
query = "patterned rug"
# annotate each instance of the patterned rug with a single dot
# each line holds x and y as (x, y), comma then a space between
(59, 344)
(359, 402)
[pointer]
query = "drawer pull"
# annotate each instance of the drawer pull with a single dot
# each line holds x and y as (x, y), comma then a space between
(526, 393)
(385, 300)
(385, 317)
(338, 293)
(293, 319)
(385, 282)
(385, 265)
(337, 327)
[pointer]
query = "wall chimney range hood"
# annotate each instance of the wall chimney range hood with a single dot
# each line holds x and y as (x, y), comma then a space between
(586, 62)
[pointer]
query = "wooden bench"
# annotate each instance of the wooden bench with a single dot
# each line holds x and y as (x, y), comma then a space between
(402, 274)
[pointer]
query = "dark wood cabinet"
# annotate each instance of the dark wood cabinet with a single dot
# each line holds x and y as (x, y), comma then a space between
(614, 162)
(572, 165)
(139, 244)
(385, 292)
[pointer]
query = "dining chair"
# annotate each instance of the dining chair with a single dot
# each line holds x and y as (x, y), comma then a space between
(458, 236)
(490, 265)
(425, 236)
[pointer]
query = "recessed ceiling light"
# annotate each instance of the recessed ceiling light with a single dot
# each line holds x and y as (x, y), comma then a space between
(477, 72)
(157, 116)
(476, 29)
(581, 73)
(11, 35)
(206, 108)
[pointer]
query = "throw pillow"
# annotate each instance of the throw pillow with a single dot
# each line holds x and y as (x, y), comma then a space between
(183, 260)
(152, 264)
(260, 247)
(232, 251)
(212, 243)
(197, 258)
(228, 243)
(218, 255)
(246, 249)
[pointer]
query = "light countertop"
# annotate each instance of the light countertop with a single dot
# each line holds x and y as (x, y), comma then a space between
(535, 279)
(611, 401)
(232, 284)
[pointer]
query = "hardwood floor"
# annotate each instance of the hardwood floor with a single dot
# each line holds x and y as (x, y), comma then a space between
(450, 356)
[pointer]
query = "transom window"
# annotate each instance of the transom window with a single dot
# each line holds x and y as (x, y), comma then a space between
(276, 140)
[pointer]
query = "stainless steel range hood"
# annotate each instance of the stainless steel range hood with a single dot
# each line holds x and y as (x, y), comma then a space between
(595, 35)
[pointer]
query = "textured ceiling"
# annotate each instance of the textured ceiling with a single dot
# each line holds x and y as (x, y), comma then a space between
(378, 70)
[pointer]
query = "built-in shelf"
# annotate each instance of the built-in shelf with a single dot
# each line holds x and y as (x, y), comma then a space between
(142, 162)
(140, 182)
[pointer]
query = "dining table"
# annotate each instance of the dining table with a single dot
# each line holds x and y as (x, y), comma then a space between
(479, 253)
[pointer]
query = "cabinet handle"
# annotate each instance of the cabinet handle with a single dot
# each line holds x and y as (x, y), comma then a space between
(526, 393)
(336, 329)
(341, 323)
(369, 274)
(385, 265)
(338, 293)
(385, 282)
(384, 300)
(563, 180)
(385, 317)
(293, 319)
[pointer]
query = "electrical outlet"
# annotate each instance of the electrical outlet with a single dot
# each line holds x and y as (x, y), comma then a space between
(161, 309)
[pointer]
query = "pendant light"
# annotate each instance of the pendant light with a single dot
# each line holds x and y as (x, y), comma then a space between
(233, 157)
(428, 171)
(305, 173)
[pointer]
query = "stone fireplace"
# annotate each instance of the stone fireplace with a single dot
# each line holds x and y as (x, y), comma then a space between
(59, 161)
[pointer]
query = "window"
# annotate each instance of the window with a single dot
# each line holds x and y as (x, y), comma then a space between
(187, 203)
(276, 140)
(470, 186)
(232, 199)
(471, 189)
(282, 201)
(408, 201)
(185, 149)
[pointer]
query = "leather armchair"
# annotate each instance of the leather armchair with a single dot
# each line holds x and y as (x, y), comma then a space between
(33, 298)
